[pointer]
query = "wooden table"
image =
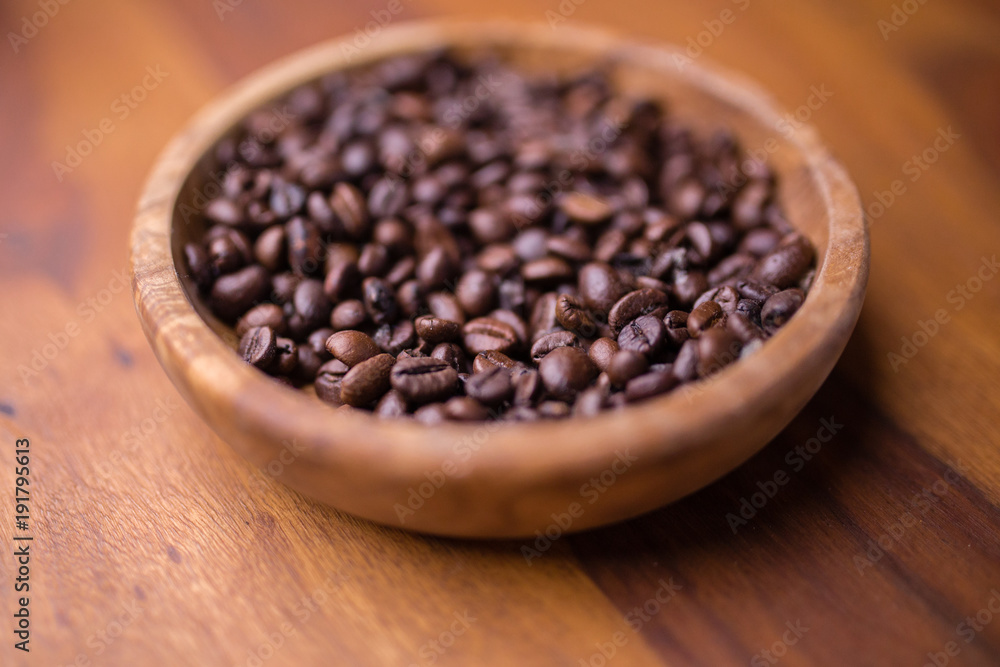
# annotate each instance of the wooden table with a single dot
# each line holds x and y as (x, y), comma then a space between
(154, 544)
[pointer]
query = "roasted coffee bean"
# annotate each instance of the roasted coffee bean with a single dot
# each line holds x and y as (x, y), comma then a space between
(305, 250)
(328, 381)
(548, 270)
(645, 335)
(717, 347)
(686, 364)
(625, 365)
(634, 304)
(391, 405)
(380, 301)
(601, 351)
(445, 306)
(450, 353)
(780, 307)
(348, 204)
(585, 208)
(703, 317)
(490, 387)
(235, 293)
(258, 346)
(487, 333)
(618, 274)
(551, 341)
(649, 385)
(311, 303)
(572, 314)
(476, 292)
(395, 338)
(367, 382)
(425, 379)
(566, 371)
(600, 286)
(675, 322)
(787, 263)
(286, 357)
(436, 330)
(465, 409)
(352, 347)
(350, 314)
(262, 315)
(490, 359)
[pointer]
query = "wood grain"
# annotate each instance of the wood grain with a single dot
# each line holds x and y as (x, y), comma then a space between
(218, 562)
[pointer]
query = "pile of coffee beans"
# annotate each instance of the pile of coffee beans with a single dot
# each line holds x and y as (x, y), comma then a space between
(456, 240)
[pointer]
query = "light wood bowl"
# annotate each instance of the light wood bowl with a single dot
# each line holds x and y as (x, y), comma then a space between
(493, 480)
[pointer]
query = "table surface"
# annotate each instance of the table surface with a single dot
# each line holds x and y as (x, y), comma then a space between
(155, 544)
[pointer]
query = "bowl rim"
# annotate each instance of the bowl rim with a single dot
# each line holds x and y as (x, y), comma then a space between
(205, 368)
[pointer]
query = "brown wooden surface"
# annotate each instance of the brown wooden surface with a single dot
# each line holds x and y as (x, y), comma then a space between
(215, 564)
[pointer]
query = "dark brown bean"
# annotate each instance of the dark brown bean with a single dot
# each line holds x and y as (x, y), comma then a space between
(258, 346)
(549, 342)
(487, 333)
(367, 382)
(328, 381)
(625, 365)
(634, 304)
(787, 263)
(649, 385)
(436, 330)
(351, 347)
(779, 308)
(566, 371)
(262, 315)
(235, 293)
(490, 387)
(572, 314)
(424, 379)
(645, 335)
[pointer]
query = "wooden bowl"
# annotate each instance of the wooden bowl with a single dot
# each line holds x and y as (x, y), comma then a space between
(507, 480)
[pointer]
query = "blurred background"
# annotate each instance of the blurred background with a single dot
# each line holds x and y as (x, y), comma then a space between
(168, 549)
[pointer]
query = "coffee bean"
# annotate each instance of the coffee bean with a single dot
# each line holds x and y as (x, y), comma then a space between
(703, 317)
(262, 315)
(348, 204)
(350, 314)
(717, 347)
(269, 249)
(308, 364)
(286, 357)
(199, 265)
(625, 365)
(367, 382)
(686, 364)
(352, 347)
(675, 322)
(391, 405)
(395, 338)
(779, 308)
(600, 286)
(634, 304)
(328, 381)
(585, 208)
(374, 260)
(434, 413)
(487, 333)
(434, 269)
(543, 315)
(566, 371)
(645, 335)
(571, 249)
(491, 359)
(490, 387)
(258, 346)
(436, 330)
(527, 387)
(787, 263)
(570, 313)
(317, 342)
(601, 351)
(445, 306)
(476, 292)
(541, 348)
(649, 385)
(235, 293)
(422, 380)
(311, 303)
(744, 328)
(342, 280)
(546, 270)
(305, 251)
(450, 353)
(689, 285)
(380, 301)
